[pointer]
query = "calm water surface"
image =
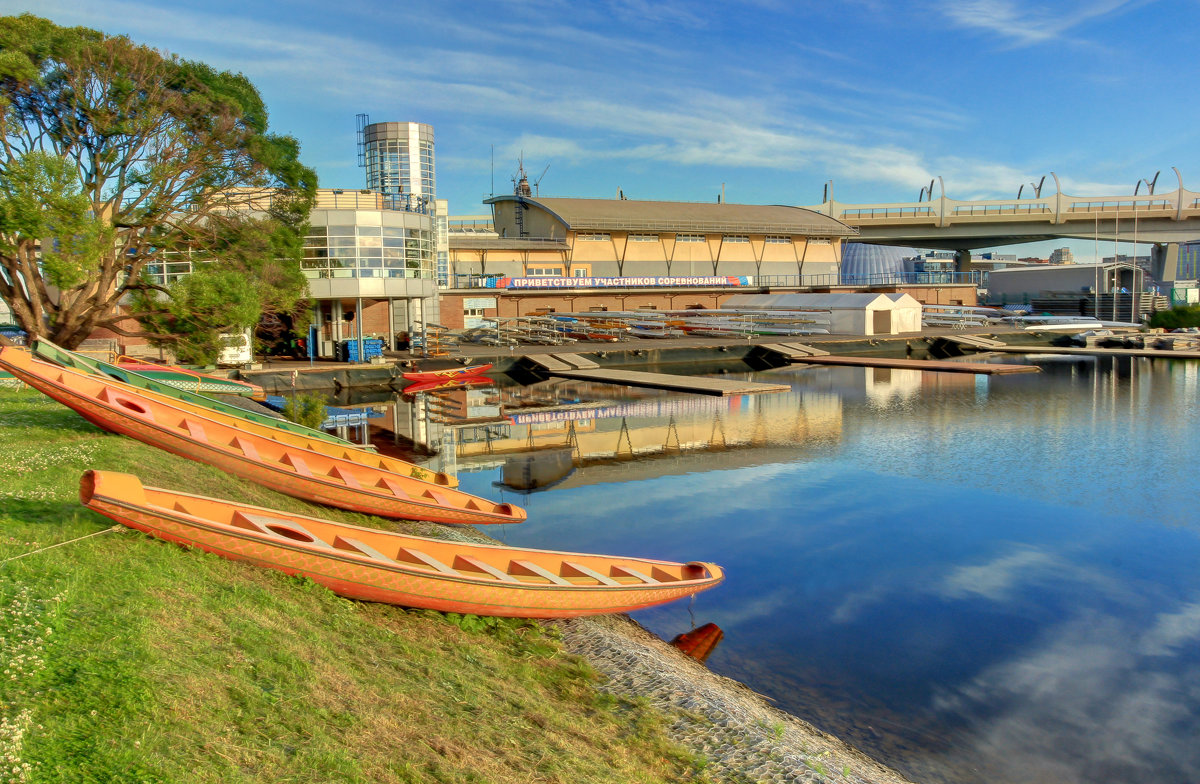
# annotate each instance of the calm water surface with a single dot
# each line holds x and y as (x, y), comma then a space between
(973, 579)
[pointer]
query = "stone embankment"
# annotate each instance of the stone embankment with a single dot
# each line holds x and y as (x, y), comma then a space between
(743, 737)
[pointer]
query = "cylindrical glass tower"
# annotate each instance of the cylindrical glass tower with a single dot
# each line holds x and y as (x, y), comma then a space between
(398, 157)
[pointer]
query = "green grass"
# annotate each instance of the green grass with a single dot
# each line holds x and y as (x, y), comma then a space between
(131, 660)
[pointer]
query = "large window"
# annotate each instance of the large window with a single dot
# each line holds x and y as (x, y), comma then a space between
(643, 238)
(779, 240)
(689, 238)
(368, 252)
(595, 236)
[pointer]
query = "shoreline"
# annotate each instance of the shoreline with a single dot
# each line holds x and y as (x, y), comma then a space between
(741, 735)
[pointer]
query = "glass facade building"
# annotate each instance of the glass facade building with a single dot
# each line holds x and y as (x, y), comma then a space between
(399, 160)
(344, 247)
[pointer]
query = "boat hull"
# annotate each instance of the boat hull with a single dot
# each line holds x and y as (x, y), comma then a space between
(308, 475)
(365, 564)
(468, 371)
(48, 351)
(279, 430)
(191, 381)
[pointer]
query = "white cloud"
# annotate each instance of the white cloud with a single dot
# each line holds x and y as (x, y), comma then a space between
(995, 579)
(1028, 25)
(1077, 709)
(1172, 630)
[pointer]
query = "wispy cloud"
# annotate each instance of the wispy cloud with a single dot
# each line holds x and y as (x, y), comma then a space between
(1113, 718)
(1025, 24)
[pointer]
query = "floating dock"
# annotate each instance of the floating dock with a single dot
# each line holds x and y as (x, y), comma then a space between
(1101, 352)
(581, 368)
(797, 353)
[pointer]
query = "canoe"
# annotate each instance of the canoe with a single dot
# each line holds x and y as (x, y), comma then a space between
(450, 383)
(280, 430)
(236, 450)
(191, 380)
(445, 373)
(46, 350)
(381, 566)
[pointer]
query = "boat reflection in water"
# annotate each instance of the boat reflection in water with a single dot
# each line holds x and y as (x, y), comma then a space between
(699, 643)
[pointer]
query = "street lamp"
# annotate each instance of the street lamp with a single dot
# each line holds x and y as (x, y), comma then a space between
(1149, 190)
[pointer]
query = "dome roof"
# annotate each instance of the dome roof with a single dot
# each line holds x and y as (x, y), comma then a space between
(862, 263)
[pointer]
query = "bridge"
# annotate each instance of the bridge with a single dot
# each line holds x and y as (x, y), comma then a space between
(1163, 221)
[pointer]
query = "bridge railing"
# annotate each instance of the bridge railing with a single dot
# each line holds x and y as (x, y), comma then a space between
(890, 212)
(1120, 205)
(1022, 208)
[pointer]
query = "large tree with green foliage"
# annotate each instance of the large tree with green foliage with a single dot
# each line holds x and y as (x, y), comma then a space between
(118, 159)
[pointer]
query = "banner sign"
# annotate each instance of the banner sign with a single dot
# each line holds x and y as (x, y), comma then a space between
(653, 281)
(648, 408)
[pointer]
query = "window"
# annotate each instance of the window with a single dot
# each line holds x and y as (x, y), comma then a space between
(779, 240)
(544, 272)
(580, 272)
(598, 309)
(643, 238)
(735, 238)
(689, 238)
(594, 236)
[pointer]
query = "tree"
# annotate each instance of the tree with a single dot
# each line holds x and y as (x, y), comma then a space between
(118, 160)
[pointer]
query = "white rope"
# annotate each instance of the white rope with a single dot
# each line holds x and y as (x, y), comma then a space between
(60, 544)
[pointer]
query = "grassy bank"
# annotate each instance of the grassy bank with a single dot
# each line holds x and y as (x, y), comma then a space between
(127, 659)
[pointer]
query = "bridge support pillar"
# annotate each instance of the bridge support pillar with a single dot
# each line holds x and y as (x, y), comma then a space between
(962, 261)
(1164, 262)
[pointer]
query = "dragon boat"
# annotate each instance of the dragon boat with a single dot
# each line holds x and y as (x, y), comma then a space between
(191, 380)
(280, 430)
(235, 449)
(46, 350)
(381, 566)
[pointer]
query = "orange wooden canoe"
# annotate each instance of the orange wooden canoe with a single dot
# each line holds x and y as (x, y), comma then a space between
(316, 442)
(235, 449)
(381, 566)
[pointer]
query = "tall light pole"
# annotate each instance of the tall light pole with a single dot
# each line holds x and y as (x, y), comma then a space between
(1150, 191)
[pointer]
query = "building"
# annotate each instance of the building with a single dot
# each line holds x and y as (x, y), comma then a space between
(565, 254)
(372, 256)
(1062, 256)
(370, 260)
(399, 160)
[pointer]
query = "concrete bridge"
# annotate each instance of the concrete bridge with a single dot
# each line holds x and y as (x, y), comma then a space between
(1162, 220)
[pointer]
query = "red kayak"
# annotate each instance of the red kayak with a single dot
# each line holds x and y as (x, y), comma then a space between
(450, 383)
(447, 373)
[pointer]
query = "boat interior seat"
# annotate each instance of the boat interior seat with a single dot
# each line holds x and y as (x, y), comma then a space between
(354, 545)
(275, 527)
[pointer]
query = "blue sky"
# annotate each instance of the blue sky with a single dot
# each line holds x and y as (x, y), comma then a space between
(671, 100)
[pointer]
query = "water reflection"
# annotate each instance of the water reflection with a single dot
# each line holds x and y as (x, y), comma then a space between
(972, 578)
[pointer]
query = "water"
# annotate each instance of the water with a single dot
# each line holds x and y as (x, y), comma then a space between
(973, 579)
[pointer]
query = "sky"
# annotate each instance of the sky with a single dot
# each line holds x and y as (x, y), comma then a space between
(768, 100)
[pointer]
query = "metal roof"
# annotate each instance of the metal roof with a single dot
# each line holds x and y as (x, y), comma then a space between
(468, 242)
(724, 218)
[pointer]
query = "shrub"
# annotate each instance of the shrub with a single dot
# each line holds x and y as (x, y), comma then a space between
(305, 409)
(1176, 318)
